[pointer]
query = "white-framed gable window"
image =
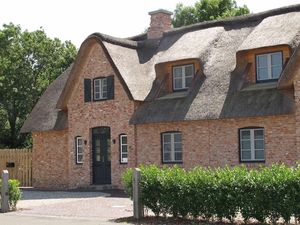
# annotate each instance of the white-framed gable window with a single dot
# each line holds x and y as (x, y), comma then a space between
(268, 66)
(171, 147)
(100, 88)
(123, 148)
(79, 149)
(183, 76)
(252, 146)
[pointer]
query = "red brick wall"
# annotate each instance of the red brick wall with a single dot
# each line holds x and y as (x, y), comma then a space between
(49, 159)
(216, 143)
(85, 116)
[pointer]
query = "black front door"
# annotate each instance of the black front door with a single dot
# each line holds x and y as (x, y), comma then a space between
(101, 155)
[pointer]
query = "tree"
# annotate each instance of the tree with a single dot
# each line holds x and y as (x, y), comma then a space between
(29, 62)
(205, 10)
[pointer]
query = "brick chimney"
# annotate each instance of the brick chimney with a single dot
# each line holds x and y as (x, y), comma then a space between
(160, 22)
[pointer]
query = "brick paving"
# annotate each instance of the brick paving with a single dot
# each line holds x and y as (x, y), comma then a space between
(96, 206)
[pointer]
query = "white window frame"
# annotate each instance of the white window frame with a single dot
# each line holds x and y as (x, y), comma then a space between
(123, 159)
(78, 147)
(183, 76)
(172, 160)
(252, 146)
(269, 65)
(100, 83)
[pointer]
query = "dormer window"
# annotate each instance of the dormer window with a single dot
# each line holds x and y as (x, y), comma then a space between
(268, 66)
(183, 76)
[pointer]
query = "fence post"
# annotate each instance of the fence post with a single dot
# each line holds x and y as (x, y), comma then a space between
(138, 209)
(4, 192)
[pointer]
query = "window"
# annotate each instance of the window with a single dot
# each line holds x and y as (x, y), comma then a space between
(100, 88)
(183, 76)
(172, 147)
(252, 144)
(123, 148)
(79, 150)
(268, 66)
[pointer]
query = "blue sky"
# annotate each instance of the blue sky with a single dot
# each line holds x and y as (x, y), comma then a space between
(75, 19)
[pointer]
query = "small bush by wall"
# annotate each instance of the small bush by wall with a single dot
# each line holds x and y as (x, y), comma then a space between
(265, 193)
(15, 193)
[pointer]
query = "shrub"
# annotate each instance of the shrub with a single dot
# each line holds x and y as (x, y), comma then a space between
(265, 193)
(14, 191)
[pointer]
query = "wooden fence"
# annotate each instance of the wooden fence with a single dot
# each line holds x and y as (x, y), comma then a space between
(18, 162)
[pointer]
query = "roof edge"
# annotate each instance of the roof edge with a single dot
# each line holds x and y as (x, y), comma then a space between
(235, 20)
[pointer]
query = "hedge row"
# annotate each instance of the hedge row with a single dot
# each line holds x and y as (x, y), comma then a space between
(15, 193)
(261, 194)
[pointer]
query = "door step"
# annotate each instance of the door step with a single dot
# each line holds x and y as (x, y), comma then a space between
(98, 187)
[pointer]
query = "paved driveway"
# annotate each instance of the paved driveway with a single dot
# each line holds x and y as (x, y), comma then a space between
(70, 207)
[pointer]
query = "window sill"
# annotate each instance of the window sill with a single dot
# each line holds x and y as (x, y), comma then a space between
(261, 86)
(253, 161)
(174, 95)
(179, 162)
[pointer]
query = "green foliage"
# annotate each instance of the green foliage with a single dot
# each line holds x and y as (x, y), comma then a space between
(15, 193)
(264, 193)
(29, 62)
(205, 10)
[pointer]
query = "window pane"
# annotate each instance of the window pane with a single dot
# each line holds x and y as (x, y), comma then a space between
(178, 156)
(188, 81)
(79, 141)
(246, 145)
(276, 71)
(79, 158)
(276, 59)
(97, 82)
(167, 138)
(262, 61)
(177, 147)
(177, 72)
(189, 70)
(124, 140)
(97, 89)
(262, 74)
(97, 95)
(246, 155)
(167, 156)
(245, 134)
(104, 88)
(259, 144)
(124, 148)
(259, 154)
(178, 84)
(167, 147)
(104, 94)
(104, 81)
(258, 134)
(177, 137)
(79, 150)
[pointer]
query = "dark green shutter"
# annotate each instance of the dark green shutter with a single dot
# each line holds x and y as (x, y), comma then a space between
(87, 90)
(110, 87)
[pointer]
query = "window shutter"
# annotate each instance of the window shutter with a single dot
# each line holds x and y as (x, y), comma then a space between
(110, 87)
(87, 90)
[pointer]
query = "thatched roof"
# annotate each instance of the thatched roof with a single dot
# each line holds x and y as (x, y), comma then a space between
(216, 44)
(45, 115)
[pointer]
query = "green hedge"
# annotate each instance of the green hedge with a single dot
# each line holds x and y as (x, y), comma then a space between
(265, 193)
(15, 193)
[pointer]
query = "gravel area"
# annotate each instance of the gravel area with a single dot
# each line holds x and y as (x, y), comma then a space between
(88, 205)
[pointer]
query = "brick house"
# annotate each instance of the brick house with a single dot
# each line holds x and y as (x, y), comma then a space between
(217, 93)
